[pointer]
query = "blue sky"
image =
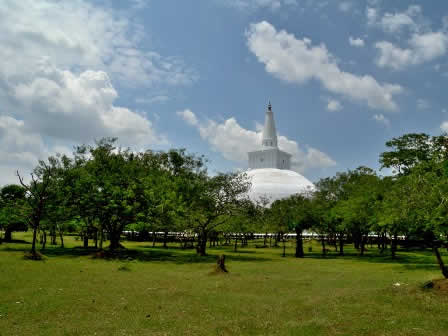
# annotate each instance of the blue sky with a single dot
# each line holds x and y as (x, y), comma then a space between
(343, 77)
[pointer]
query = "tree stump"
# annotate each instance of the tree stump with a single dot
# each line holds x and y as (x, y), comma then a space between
(220, 264)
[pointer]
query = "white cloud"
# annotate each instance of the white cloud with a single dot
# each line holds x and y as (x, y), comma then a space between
(422, 48)
(423, 104)
(444, 126)
(154, 99)
(21, 149)
(234, 142)
(345, 6)
(139, 4)
(424, 45)
(356, 42)
(75, 32)
(258, 4)
(298, 61)
(81, 107)
(395, 22)
(188, 116)
(58, 58)
(380, 118)
(334, 105)
(372, 15)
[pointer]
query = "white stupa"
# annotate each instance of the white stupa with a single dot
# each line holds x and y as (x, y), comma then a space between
(269, 168)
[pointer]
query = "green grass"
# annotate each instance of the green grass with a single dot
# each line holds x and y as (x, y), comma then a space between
(158, 291)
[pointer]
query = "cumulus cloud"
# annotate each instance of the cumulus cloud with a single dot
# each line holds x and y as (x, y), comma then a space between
(356, 42)
(422, 48)
(424, 45)
(298, 61)
(76, 33)
(188, 116)
(380, 118)
(395, 22)
(21, 149)
(234, 142)
(334, 105)
(59, 60)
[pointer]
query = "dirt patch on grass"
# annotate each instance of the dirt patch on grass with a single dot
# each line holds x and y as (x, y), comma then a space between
(121, 253)
(34, 256)
(438, 285)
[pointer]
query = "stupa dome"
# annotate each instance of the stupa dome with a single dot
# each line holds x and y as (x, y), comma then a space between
(275, 184)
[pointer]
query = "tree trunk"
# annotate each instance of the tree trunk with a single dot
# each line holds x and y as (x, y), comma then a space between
(85, 238)
(363, 245)
(33, 245)
(270, 240)
(299, 244)
(442, 266)
(114, 240)
(284, 246)
(324, 250)
(8, 235)
(393, 246)
(265, 238)
(341, 244)
(202, 244)
(44, 239)
(96, 239)
(165, 238)
(356, 240)
(101, 239)
(277, 238)
(154, 236)
(236, 243)
(53, 236)
(61, 236)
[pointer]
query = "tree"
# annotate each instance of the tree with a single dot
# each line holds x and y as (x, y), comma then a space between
(242, 222)
(11, 199)
(329, 192)
(282, 217)
(215, 199)
(302, 218)
(429, 196)
(363, 192)
(37, 192)
(169, 189)
(411, 149)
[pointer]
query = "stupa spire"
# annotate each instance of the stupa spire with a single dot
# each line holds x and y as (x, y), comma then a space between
(269, 131)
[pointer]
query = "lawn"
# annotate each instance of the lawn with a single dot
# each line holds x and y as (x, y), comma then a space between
(170, 291)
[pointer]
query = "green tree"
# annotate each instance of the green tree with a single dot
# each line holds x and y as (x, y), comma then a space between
(11, 200)
(215, 199)
(363, 191)
(37, 193)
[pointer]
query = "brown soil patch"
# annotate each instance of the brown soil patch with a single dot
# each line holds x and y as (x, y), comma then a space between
(120, 253)
(34, 256)
(441, 285)
(438, 285)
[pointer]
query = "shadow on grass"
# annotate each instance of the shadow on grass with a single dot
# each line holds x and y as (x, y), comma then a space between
(410, 260)
(175, 255)
(16, 241)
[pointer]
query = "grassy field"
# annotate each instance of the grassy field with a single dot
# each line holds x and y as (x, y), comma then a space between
(171, 292)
